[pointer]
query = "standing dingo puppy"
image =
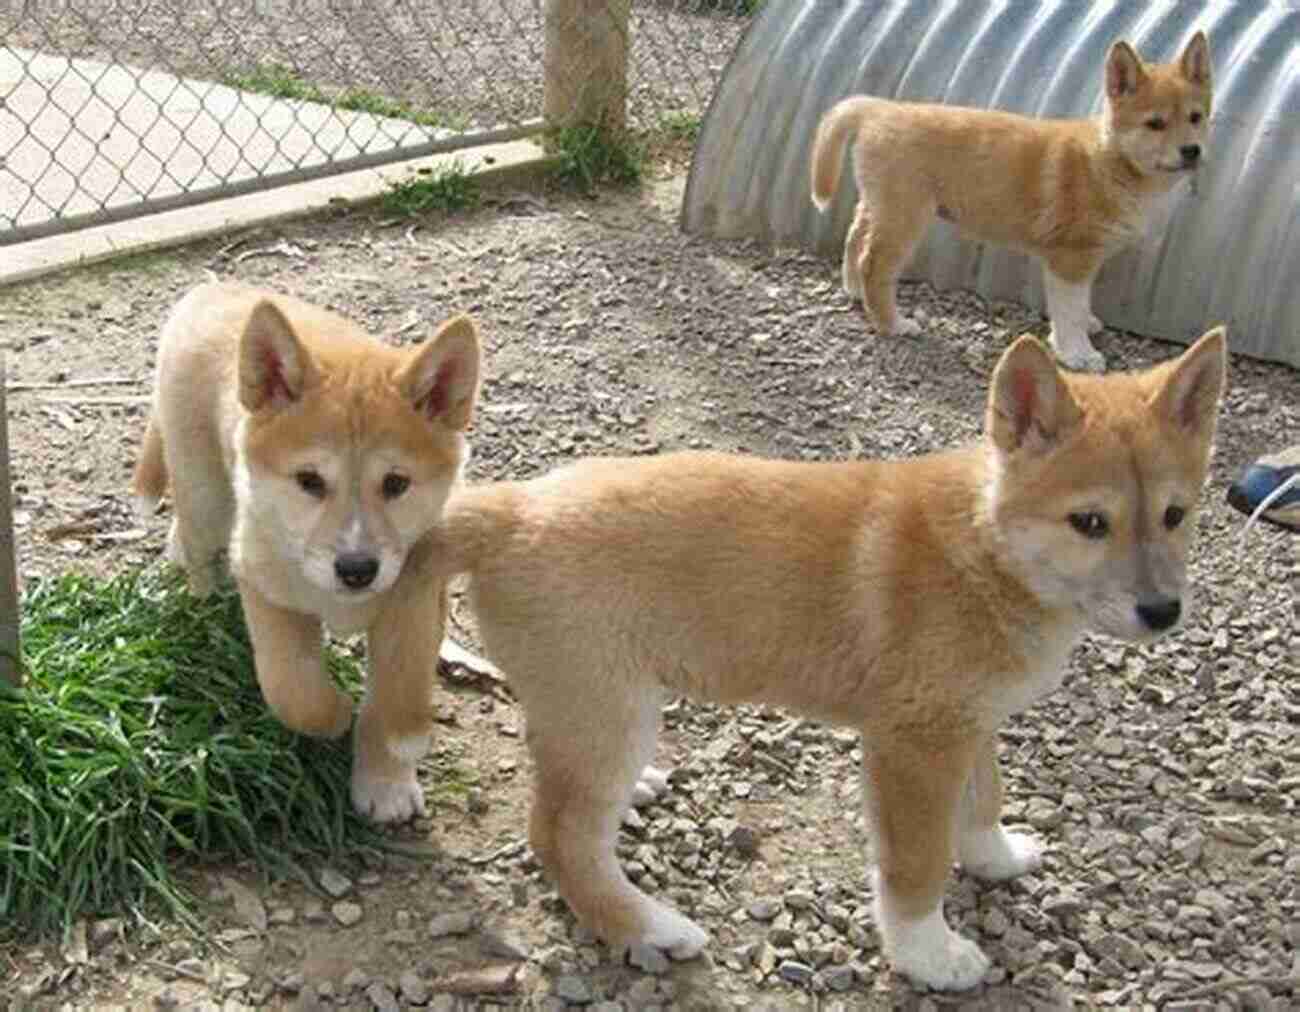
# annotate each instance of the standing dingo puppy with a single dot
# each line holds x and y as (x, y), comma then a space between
(921, 601)
(1070, 191)
(317, 458)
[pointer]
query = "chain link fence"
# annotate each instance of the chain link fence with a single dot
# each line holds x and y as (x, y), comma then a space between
(112, 108)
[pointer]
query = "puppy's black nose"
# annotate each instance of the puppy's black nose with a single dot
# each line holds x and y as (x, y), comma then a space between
(356, 569)
(1191, 153)
(1161, 613)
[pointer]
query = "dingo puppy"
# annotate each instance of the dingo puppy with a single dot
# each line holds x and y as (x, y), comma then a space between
(921, 601)
(1070, 191)
(317, 458)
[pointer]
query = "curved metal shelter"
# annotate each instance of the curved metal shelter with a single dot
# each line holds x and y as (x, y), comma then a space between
(1225, 250)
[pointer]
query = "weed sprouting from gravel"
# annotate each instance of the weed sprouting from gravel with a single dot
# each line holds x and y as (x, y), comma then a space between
(139, 737)
(589, 154)
(448, 188)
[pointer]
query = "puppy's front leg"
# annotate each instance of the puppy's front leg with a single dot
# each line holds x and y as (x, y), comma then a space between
(985, 849)
(290, 662)
(396, 719)
(913, 794)
(1069, 299)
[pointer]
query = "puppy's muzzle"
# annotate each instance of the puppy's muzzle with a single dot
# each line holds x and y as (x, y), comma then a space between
(1160, 613)
(356, 570)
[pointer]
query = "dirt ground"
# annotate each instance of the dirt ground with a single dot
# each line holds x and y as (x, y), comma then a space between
(1165, 779)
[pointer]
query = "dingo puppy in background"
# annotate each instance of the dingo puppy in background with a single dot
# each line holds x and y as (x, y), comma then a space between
(921, 601)
(1070, 191)
(317, 458)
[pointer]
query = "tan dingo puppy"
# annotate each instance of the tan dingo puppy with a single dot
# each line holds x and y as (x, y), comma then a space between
(921, 601)
(317, 458)
(1070, 191)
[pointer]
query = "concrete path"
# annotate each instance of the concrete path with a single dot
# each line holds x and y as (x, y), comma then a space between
(79, 137)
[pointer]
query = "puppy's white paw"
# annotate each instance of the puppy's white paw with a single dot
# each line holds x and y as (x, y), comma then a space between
(145, 507)
(905, 327)
(382, 800)
(668, 931)
(995, 854)
(652, 783)
(1076, 352)
(931, 953)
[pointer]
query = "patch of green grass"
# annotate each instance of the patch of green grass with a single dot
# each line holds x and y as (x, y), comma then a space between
(141, 738)
(590, 154)
(680, 126)
(283, 82)
(446, 189)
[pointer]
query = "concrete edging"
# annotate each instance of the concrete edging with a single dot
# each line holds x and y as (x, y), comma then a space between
(25, 261)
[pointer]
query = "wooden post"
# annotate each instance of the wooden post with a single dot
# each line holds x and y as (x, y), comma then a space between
(586, 63)
(10, 662)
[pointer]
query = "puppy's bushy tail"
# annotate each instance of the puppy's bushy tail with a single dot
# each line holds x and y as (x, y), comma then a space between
(150, 479)
(833, 133)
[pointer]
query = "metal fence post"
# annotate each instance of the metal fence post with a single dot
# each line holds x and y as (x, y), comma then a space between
(586, 63)
(10, 663)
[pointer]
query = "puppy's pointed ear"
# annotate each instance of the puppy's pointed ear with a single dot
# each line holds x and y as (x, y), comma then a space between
(1124, 73)
(1195, 61)
(441, 380)
(1188, 396)
(273, 364)
(1030, 407)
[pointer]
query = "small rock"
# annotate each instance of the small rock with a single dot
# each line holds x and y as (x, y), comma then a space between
(333, 882)
(763, 909)
(838, 978)
(799, 974)
(356, 980)
(743, 840)
(995, 923)
(381, 997)
(459, 923)
(798, 899)
(573, 989)
(346, 912)
(412, 988)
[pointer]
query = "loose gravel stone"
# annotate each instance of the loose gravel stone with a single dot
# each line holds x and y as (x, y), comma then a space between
(573, 989)
(381, 997)
(334, 882)
(347, 913)
(460, 922)
(799, 974)
(413, 988)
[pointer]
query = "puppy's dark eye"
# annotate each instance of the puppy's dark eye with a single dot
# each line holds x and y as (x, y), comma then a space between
(1090, 525)
(311, 482)
(1155, 123)
(395, 484)
(1174, 516)
(1195, 118)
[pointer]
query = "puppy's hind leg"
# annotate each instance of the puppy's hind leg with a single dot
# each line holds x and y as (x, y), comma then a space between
(898, 220)
(851, 268)
(984, 848)
(204, 506)
(587, 763)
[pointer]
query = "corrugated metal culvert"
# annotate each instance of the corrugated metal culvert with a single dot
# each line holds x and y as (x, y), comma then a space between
(1227, 250)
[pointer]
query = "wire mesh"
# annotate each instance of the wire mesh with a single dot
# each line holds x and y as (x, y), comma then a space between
(110, 108)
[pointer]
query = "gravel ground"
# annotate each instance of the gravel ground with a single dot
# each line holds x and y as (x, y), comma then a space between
(1165, 779)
